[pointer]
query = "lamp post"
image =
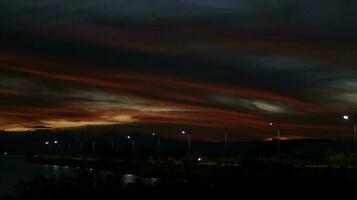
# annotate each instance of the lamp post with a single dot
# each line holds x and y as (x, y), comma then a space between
(80, 147)
(132, 144)
(56, 142)
(112, 146)
(93, 147)
(49, 146)
(225, 144)
(188, 141)
(353, 118)
(278, 135)
(157, 143)
(68, 148)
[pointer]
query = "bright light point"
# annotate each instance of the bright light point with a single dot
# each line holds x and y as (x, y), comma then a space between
(199, 159)
(47, 143)
(346, 117)
(270, 124)
(56, 142)
(5, 153)
(153, 134)
(183, 132)
(128, 137)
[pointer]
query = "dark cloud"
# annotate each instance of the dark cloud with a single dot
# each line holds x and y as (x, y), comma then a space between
(234, 64)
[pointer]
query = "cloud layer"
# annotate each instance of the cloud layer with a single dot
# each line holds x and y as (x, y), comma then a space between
(226, 65)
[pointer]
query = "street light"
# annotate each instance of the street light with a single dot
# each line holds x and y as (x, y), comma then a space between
(278, 135)
(68, 147)
(188, 141)
(49, 146)
(58, 145)
(347, 117)
(80, 147)
(158, 142)
(112, 146)
(93, 147)
(225, 144)
(132, 144)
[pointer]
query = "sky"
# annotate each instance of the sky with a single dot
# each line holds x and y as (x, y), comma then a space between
(204, 65)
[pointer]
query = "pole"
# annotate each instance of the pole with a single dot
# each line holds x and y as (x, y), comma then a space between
(133, 146)
(355, 137)
(93, 147)
(112, 146)
(189, 144)
(279, 140)
(80, 147)
(225, 144)
(68, 147)
(158, 145)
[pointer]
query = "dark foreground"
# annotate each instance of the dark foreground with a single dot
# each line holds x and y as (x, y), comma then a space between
(91, 186)
(249, 177)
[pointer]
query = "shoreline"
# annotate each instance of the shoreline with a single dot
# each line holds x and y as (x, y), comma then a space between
(182, 168)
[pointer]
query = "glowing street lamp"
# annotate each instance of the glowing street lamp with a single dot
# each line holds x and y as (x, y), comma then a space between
(225, 144)
(56, 142)
(93, 147)
(132, 144)
(188, 141)
(353, 118)
(112, 146)
(80, 146)
(278, 134)
(49, 146)
(158, 142)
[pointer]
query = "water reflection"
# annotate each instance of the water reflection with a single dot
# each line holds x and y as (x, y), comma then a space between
(128, 179)
(15, 168)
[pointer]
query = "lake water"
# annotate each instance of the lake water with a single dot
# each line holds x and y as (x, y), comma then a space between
(15, 168)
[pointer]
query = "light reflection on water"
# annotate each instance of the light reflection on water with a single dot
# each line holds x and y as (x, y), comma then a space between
(131, 179)
(15, 168)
